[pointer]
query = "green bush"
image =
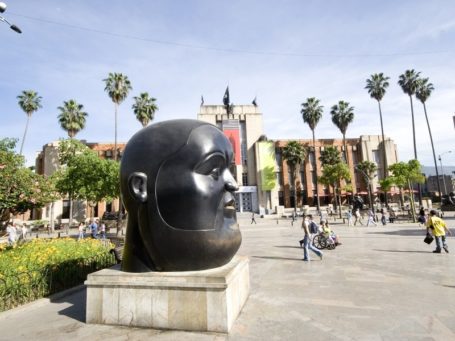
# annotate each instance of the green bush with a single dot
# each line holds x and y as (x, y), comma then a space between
(45, 266)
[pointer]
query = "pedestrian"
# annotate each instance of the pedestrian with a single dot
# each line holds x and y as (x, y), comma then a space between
(358, 217)
(422, 216)
(94, 228)
(103, 230)
(24, 232)
(349, 217)
(438, 228)
(371, 218)
(309, 227)
(392, 216)
(81, 230)
(293, 218)
(253, 220)
(12, 233)
(383, 217)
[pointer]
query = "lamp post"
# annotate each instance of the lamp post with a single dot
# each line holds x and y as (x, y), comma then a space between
(442, 171)
(13, 27)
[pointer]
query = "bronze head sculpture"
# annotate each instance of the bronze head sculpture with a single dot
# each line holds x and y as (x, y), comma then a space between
(178, 191)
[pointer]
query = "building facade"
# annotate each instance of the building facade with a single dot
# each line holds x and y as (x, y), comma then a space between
(243, 127)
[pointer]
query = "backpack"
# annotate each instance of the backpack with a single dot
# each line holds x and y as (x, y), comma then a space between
(313, 228)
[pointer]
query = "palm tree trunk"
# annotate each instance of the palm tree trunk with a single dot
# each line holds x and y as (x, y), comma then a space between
(25, 133)
(415, 148)
(294, 183)
(71, 210)
(432, 148)
(411, 196)
(345, 150)
(115, 134)
(316, 173)
(384, 154)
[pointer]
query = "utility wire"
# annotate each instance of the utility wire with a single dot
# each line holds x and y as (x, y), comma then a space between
(230, 50)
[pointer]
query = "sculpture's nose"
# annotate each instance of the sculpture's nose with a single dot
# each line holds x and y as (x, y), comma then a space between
(229, 182)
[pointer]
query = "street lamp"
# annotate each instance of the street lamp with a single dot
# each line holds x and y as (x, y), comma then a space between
(13, 27)
(442, 171)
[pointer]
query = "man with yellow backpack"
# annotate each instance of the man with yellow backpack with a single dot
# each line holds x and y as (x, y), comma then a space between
(438, 228)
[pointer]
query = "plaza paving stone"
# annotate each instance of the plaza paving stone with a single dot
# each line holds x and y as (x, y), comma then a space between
(383, 283)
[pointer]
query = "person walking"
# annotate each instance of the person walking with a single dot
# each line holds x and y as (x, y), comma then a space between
(371, 218)
(349, 217)
(81, 231)
(438, 228)
(309, 227)
(103, 230)
(358, 217)
(12, 233)
(383, 217)
(253, 220)
(94, 229)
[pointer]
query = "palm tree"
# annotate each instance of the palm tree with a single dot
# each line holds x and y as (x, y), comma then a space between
(71, 117)
(118, 87)
(423, 92)
(29, 101)
(144, 108)
(311, 113)
(342, 116)
(368, 170)
(72, 120)
(376, 86)
(294, 154)
(408, 82)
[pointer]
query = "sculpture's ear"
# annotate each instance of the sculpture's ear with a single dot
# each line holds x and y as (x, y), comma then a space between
(137, 185)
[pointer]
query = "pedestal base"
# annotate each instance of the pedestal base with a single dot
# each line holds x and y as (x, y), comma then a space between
(208, 300)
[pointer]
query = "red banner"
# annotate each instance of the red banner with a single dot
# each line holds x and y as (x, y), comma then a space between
(233, 136)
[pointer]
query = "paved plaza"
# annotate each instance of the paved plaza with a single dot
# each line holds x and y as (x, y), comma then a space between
(383, 283)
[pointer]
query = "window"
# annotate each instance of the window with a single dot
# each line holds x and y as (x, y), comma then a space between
(281, 198)
(279, 178)
(245, 179)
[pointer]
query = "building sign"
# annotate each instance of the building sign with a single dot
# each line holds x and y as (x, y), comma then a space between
(231, 130)
(266, 165)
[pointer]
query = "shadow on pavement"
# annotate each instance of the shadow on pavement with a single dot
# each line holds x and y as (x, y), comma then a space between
(407, 232)
(287, 247)
(77, 309)
(409, 251)
(277, 258)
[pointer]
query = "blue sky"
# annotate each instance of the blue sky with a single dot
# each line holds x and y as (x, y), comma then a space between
(280, 51)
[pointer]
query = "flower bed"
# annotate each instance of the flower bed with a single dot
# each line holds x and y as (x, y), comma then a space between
(45, 266)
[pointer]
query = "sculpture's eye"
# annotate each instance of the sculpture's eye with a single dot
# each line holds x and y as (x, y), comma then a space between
(212, 166)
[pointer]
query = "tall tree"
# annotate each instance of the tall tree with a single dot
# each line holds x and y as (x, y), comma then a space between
(342, 116)
(294, 154)
(332, 175)
(368, 170)
(117, 86)
(144, 107)
(423, 92)
(404, 175)
(71, 117)
(408, 82)
(376, 86)
(311, 114)
(29, 101)
(330, 156)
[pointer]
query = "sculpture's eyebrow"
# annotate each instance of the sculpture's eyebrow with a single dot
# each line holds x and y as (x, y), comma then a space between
(209, 162)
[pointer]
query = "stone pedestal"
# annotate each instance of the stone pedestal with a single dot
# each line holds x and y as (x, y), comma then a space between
(208, 300)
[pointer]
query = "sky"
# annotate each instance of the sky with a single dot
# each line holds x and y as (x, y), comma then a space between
(281, 52)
